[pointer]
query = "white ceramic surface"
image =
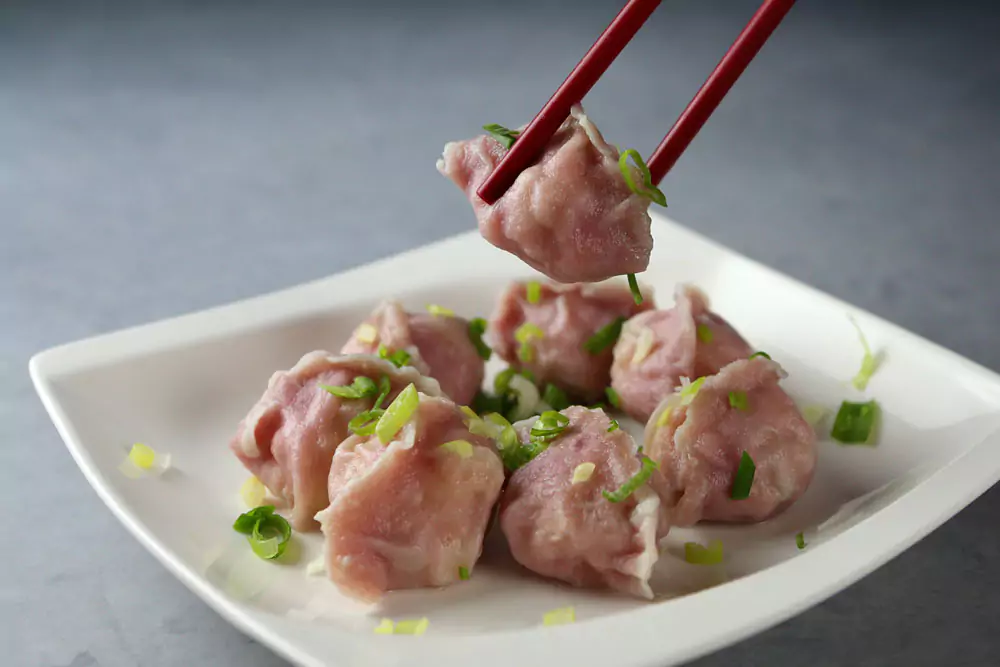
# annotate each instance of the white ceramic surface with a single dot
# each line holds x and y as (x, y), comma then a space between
(181, 386)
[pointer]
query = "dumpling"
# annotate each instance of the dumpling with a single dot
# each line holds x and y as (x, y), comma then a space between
(657, 348)
(438, 345)
(698, 437)
(558, 522)
(567, 317)
(410, 512)
(288, 438)
(571, 215)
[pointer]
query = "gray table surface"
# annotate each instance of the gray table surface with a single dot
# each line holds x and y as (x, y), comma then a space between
(157, 159)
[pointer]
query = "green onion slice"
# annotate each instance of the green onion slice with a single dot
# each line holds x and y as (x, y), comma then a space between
(268, 533)
(690, 390)
(704, 333)
(534, 291)
(477, 327)
(744, 478)
(696, 554)
(614, 426)
(869, 363)
(605, 337)
(647, 189)
(399, 358)
(633, 284)
(525, 334)
(555, 397)
(613, 398)
(637, 480)
(441, 311)
(512, 452)
(397, 414)
(549, 425)
(760, 354)
(814, 414)
(384, 387)
(463, 448)
(738, 400)
(855, 423)
(364, 423)
(463, 573)
(505, 136)
(800, 541)
(362, 387)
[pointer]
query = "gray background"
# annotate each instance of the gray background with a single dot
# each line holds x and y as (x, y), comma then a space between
(156, 159)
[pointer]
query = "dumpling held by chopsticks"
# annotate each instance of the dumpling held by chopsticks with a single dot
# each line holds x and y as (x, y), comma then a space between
(571, 215)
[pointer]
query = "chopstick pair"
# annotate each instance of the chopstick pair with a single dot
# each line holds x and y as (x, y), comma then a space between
(531, 143)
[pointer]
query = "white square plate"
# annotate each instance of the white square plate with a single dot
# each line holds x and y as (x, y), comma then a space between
(182, 385)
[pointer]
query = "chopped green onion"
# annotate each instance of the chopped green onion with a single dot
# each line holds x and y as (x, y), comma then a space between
(469, 412)
(690, 390)
(441, 311)
(508, 436)
(362, 387)
(143, 456)
(268, 533)
(760, 354)
(647, 189)
(583, 472)
(365, 422)
(696, 554)
(561, 616)
(463, 573)
(525, 396)
(814, 414)
(512, 452)
(501, 383)
(744, 478)
(416, 626)
(477, 327)
(855, 423)
(605, 337)
(664, 417)
(143, 460)
(644, 343)
(505, 136)
(397, 414)
(524, 334)
(633, 285)
(534, 291)
(384, 387)
(461, 447)
(386, 627)
(800, 541)
(637, 480)
(738, 400)
(549, 426)
(253, 492)
(399, 358)
(555, 397)
(613, 398)
(704, 333)
(366, 333)
(614, 426)
(869, 363)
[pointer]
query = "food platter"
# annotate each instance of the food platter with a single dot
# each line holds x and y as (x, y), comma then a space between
(182, 385)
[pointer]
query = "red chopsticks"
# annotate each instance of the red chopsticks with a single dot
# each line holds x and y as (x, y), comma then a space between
(532, 142)
(719, 82)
